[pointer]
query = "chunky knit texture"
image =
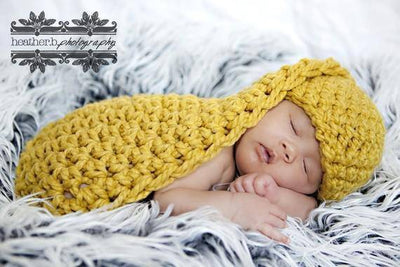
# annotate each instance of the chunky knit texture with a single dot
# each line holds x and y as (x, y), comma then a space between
(126, 147)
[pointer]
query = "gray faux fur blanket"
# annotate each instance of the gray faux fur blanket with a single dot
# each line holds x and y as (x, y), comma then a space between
(174, 52)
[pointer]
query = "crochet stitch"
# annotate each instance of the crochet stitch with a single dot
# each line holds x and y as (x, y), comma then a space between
(126, 147)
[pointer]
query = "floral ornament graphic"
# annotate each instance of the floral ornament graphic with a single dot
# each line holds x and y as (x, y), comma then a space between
(37, 61)
(90, 61)
(90, 22)
(37, 22)
(86, 25)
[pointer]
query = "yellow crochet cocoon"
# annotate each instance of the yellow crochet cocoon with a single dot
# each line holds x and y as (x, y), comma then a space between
(126, 147)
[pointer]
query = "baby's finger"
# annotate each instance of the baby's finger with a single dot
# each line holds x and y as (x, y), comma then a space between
(261, 183)
(247, 184)
(231, 188)
(273, 233)
(276, 221)
(236, 186)
(277, 211)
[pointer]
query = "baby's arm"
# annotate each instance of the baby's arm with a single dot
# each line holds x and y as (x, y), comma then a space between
(263, 216)
(192, 191)
(293, 203)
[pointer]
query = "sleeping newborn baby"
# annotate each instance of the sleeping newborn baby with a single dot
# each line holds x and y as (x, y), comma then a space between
(278, 159)
(302, 134)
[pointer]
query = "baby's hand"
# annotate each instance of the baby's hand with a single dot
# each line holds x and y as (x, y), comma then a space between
(259, 183)
(253, 212)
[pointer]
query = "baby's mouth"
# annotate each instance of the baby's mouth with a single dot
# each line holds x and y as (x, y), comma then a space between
(264, 153)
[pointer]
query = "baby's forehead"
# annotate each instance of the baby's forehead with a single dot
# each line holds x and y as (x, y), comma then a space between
(296, 112)
(292, 115)
(287, 106)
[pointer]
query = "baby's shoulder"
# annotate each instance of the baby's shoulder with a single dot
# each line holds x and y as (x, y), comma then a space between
(222, 164)
(216, 170)
(229, 167)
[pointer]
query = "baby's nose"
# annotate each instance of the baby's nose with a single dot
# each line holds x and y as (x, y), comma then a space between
(289, 151)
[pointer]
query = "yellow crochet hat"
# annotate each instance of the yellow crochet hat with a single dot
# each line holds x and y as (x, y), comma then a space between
(126, 147)
(349, 127)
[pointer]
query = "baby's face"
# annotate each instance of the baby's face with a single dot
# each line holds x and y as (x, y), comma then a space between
(291, 154)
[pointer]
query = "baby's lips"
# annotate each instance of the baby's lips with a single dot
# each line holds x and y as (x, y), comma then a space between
(262, 153)
(266, 154)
